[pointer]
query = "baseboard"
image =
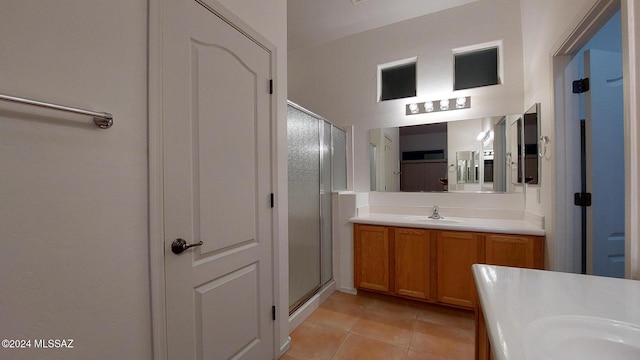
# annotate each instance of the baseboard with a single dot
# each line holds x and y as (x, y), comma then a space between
(286, 346)
(348, 290)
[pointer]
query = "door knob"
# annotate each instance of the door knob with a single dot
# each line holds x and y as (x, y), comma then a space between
(180, 245)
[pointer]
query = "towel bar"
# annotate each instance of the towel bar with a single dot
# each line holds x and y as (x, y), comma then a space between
(101, 119)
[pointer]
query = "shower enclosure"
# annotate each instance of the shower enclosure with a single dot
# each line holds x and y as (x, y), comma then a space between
(317, 166)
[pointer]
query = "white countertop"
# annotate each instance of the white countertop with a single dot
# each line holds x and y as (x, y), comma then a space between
(530, 311)
(503, 226)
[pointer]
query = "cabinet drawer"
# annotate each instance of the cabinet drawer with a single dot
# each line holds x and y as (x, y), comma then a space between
(515, 250)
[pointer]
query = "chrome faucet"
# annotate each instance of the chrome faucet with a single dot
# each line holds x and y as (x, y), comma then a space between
(435, 214)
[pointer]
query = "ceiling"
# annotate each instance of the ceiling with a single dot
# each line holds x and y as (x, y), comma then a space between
(311, 22)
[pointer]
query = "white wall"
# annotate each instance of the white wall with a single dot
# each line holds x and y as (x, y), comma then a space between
(74, 218)
(338, 79)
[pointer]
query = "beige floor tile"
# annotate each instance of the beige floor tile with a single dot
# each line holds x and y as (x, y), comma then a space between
(386, 327)
(314, 341)
(372, 326)
(287, 357)
(442, 341)
(340, 314)
(399, 307)
(357, 347)
(447, 316)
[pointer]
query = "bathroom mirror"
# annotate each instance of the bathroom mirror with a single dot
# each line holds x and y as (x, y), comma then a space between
(372, 165)
(514, 155)
(462, 155)
(468, 167)
(531, 129)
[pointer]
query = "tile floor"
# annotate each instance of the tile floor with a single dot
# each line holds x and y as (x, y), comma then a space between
(371, 326)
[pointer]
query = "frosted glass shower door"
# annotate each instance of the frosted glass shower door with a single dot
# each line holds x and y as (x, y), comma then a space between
(325, 198)
(303, 133)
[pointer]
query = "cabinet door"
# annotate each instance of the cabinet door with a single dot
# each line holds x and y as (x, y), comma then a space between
(515, 250)
(412, 263)
(483, 347)
(371, 252)
(457, 251)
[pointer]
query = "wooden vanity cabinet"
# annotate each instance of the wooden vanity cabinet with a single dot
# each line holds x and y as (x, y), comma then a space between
(413, 251)
(457, 251)
(435, 265)
(394, 260)
(371, 257)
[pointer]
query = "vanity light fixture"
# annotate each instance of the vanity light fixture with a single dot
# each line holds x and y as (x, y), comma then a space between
(463, 102)
(428, 106)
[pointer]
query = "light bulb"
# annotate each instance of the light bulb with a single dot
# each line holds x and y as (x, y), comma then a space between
(413, 108)
(444, 105)
(428, 106)
(483, 136)
(461, 102)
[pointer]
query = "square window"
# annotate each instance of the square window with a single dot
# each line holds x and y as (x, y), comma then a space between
(397, 81)
(476, 68)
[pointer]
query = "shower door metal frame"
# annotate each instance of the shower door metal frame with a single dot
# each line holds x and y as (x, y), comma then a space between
(321, 133)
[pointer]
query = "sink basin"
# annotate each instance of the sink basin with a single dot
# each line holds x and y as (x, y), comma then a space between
(425, 218)
(581, 337)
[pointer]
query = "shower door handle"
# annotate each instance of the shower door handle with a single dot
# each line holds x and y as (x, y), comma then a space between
(180, 245)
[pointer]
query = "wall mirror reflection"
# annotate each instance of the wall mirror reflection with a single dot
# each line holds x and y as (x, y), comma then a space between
(467, 167)
(479, 155)
(531, 137)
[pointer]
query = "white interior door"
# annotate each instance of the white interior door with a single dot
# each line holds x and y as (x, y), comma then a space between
(217, 185)
(604, 137)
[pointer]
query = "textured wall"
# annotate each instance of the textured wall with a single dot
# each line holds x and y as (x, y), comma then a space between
(74, 213)
(73, 220)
